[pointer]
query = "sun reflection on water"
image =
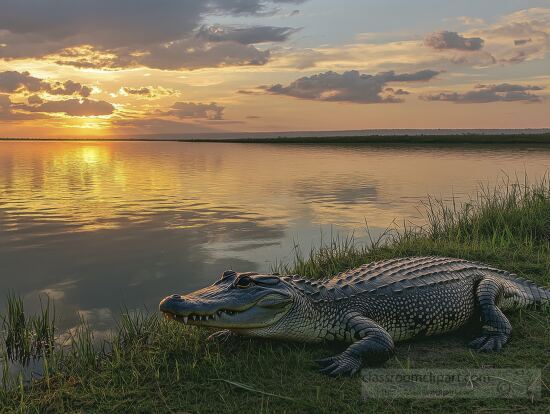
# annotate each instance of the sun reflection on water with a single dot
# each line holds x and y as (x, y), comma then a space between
(100, 185)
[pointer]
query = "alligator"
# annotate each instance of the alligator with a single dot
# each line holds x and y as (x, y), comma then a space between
(371, 307)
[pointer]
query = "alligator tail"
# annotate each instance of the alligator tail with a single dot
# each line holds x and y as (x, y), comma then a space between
(520, 292)
(534, 294)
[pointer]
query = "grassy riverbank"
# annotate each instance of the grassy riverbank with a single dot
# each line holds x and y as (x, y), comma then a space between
(153, 365)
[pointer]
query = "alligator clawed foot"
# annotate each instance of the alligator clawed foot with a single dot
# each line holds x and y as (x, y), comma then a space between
(488, 343)
(220, 336)
(345, 364)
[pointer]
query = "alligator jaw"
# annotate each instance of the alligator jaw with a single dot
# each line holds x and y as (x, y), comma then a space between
(195, 319)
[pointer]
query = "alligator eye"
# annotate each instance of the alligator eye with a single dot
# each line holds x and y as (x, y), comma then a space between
(228, 273)
(244, 282)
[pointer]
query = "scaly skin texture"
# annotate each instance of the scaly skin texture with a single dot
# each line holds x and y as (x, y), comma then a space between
(370, 307)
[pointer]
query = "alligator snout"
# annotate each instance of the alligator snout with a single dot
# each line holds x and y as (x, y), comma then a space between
(170, 303)
(186, 305)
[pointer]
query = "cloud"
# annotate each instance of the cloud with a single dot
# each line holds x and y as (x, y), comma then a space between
(193, 54)
(470, 21)
(249, 7)
(73, 107)
(249, 92)
(35, 100)
(146, 91)
(14, 82)
(452, 40)
(520, 42)
(69, 88)
(9, 111)
(211, 111)
(396, 91)
(127, 33)
(245, 35)
(520, 36)
(504, 92)
(349, 86)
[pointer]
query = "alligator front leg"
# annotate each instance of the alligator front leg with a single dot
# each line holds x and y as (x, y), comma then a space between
(374, 345)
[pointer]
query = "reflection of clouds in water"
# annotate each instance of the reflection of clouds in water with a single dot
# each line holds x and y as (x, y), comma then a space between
(58, 290)
(350, 202)
(100, 321)
(135, 265)
(95, 316)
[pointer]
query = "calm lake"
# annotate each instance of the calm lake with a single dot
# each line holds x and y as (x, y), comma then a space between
(100, 225)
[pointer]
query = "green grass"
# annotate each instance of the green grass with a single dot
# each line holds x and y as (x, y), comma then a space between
(153, 365)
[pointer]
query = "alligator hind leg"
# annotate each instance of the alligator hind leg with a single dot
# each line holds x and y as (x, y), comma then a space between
(374, 344)
(496, 327)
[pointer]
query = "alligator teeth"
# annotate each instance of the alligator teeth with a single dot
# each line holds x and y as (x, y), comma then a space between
(194, 318)
(185, 319)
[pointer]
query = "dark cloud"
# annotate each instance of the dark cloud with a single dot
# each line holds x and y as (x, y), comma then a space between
(396, 91)
(248, 7)
(211, 111)
(147, 91)
(73, 107)
(508, 87)
(13, 81)
(9, 111)
(423, 75)
(144, 91)
(35, 100)
(452, 40)
(503, 92)
(119, 33)
(521, 42)
(69, 88)
(245, 35)
(249, 92)
(193, 54)
(349, 86)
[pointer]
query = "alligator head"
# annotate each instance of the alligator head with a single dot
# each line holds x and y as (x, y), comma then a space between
(236, 301)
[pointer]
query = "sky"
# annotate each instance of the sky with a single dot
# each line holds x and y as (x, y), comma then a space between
(102, 68)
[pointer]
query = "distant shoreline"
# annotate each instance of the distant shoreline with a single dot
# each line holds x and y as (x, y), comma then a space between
(543, 138)
(394, 139)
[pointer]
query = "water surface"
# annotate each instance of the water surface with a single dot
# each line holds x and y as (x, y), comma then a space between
(98, 225)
